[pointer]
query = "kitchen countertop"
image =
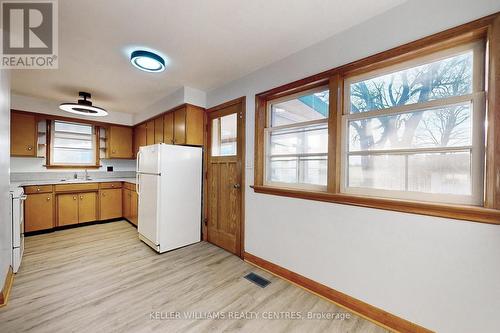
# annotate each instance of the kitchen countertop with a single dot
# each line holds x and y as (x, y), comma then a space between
(70, 181)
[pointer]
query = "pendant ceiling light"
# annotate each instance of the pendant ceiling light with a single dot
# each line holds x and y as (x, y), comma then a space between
(83, 107)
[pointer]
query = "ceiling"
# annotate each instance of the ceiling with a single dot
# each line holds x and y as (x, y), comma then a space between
(207, 44)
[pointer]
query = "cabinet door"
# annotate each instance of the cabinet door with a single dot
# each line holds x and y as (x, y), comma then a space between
(23, 135)
(180, 126)
(134, 201)
(67, 209)
(120, 142)
(139, 137)
(150, 132)
(126, 203)
(168, 128)
(159, 130)
(39, 212)
(87, 207)
(194, 125)
(110, 203)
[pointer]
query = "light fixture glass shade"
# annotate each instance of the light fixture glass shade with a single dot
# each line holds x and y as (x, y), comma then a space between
(85, 110)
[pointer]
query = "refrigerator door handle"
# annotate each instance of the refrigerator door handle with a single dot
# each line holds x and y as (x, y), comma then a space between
(137, 172)
(137, 183)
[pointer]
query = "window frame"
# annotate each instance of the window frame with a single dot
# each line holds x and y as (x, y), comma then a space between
(487, 30)
(269, 129)
(477, 100)
(50, 145)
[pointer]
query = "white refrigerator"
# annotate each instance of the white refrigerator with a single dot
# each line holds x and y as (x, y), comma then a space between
(169, 186)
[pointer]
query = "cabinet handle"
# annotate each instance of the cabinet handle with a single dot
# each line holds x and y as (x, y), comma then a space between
(74, 198)
(30, 147)
(112, 185)
(38, 189)
(103, 195)
(113, 151)
(81, 197)
(48, 198)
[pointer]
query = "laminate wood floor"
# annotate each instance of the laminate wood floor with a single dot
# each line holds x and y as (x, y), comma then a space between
(101, 278)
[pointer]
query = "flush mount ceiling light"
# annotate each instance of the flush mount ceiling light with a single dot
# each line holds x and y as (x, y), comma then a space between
(83, 107)
(147, 61)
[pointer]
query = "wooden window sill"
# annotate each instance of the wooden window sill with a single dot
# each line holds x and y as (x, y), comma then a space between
(459, 212)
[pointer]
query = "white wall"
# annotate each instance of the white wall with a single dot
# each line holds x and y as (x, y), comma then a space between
(33, 164)
(5, 202)
(45, 106)
(440, 273)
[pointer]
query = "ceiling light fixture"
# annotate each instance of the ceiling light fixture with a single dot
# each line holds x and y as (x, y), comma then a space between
(147, 61)
(83, 107)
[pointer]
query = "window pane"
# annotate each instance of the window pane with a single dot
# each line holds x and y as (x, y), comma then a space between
(72, 156)
(69, 143)
(224, 135)
(447, 173)
(440, 79)
(449, 126)
(304, 108)
(300, 140)
(71, 127)
(298, 170)
(377, 171)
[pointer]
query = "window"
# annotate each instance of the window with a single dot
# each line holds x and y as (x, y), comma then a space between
(224, 135)
(297, 140)
(416, 131)
(72, 144)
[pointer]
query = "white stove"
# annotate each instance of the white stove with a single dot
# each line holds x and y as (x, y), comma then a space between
(18, 197)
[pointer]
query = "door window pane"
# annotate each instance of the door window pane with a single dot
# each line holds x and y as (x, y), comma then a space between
(224, 135)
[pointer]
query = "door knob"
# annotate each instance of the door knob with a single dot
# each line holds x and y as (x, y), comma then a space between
(236, 185)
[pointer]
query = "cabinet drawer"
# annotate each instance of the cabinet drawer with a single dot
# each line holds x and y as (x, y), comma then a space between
(38, 189)
(129, 186)
(110, 185)
(77, 187)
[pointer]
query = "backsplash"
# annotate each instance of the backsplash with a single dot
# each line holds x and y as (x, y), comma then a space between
(34, 164)
(68, 175)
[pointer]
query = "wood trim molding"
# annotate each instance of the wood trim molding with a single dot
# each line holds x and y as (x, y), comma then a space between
(457, 212)
(365, 310)
(4, 294)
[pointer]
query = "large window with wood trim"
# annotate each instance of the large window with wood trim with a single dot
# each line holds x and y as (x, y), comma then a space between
(72, 144)
(416, 130)
(297, 140)
(412, 129)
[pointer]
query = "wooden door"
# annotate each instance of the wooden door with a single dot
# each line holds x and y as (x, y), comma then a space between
(225, 176)
(140, 139)
(23, 135)
(120, 142)
(67, 209)
(87, 207)
(168, 128)
(39, 212)
(150, 132)
(126, 203)
(159, 130)
(134, 202)
(180, 126)
(110, 203)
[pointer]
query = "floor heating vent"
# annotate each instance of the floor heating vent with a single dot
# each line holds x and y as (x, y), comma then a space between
(257, 279)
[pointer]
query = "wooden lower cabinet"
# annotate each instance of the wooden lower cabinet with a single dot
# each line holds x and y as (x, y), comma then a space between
(130, 203)
(39, 212)
(74, 208)
(110, 201)
(67, 209)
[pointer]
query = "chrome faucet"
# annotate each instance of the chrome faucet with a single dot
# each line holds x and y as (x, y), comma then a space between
(87, 175)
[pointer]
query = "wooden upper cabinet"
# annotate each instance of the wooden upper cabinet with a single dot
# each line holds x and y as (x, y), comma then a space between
(110, 202)
(159, 130)
(119, 142)
(180, 126)
(168, 128)
(39, 212)
(23, 135)
(150, 132)
(140, 140)
(188, 125)
(67, 209)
